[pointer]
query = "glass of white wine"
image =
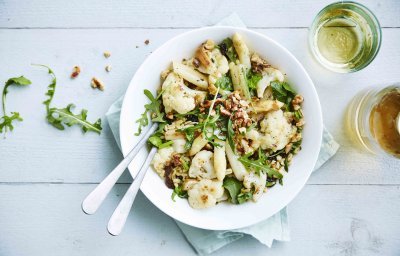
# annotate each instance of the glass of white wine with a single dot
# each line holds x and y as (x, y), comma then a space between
(345, 37)
(373, 120)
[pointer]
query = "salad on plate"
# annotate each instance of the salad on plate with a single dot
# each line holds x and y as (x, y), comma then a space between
(229, 125)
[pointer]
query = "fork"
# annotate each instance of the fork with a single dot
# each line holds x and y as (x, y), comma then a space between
(118, 218)
(93, 201)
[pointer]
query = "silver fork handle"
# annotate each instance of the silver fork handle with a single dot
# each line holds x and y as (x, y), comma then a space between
(118, 218)
(93, 201)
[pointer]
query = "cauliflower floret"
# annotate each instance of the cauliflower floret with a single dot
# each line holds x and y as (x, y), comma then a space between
(160, 159)
(205, 193)
(177, 96)
(254, 136)
(277, 130)
(203, 165)
(270, 75)
(257, 181)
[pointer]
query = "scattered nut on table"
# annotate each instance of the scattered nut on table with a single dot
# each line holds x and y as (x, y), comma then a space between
(108, 68)
(75, 71)
(147, 41)
(107, 54)
(96, 83)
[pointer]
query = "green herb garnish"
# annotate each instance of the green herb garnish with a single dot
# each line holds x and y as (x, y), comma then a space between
(298, 114)
(178, 191)
(225, 83)
(253, 79)
(5, 120)
(58, 117)
(259, 164)
(244, 197)
(283, 92)
(227, 49)
(233, 186)
(153, 108)
(231, 134)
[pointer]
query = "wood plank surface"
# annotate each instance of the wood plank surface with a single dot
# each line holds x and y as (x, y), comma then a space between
(350, 207)
(173, 14)
(354, 220)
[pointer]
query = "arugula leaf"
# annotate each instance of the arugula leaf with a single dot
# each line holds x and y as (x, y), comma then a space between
(225, 83)
(286, 164)
(153, 108)
(233, 186)
(253, 79)
(178, 191)
(243, 197)
(230, 136)
(259, 165)
(143, 121)
(283, 92)
(5, 120)
(298, 114)
(227, 49)
(296, 145)
(185, 164)
(155, 140)
(58, 117)
(210, 110)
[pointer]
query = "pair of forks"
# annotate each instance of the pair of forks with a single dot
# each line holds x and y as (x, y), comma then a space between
(93, 201)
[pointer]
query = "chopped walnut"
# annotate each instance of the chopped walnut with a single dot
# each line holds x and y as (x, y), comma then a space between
(96, 83)
(296, 137)
(288, 147)
(75, 71)
(298, 99)
(107, 54)
(300, 123)
(224, 111)
(147, 41)
(258, 65)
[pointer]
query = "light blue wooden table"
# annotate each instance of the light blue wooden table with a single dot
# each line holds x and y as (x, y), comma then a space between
(351, 206)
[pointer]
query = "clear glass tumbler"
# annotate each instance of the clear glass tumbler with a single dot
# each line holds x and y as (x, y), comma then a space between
(345, 37)
(373, 120)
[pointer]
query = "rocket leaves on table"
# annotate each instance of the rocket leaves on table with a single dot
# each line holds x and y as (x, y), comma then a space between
(6, 120)
(59, 117)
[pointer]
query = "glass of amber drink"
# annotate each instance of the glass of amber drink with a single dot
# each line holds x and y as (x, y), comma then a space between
(373, 120)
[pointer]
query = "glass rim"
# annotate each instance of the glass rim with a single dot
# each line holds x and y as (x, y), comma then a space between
(365, 13)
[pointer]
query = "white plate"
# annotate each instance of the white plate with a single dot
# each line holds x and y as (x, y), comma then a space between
(223, 216)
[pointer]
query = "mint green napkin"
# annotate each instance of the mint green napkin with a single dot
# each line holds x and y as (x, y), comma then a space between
(274, 228)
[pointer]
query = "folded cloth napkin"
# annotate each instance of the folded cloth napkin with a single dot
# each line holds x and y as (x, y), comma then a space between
(274, 228)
